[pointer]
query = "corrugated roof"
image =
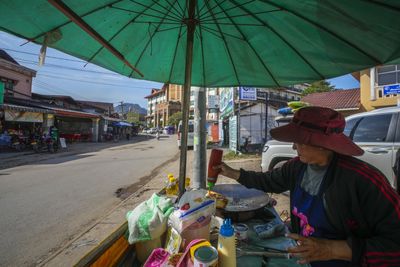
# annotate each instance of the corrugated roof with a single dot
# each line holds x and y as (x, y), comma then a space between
(339, 99)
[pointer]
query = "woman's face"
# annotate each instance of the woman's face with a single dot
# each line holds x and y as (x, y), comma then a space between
(312, 154)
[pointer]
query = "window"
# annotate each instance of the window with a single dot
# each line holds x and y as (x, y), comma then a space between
(8, 87)
(373, 129)
(388, 75)
(349, 126)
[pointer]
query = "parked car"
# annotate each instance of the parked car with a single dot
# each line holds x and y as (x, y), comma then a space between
(152, 130)
(377, 132)
(190, 139)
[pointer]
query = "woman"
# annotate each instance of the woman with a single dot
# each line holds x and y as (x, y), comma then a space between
(343, 211)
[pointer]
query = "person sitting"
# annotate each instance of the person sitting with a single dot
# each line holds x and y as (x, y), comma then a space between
(343, 211)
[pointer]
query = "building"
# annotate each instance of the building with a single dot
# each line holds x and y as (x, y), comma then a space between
(379, 86)
(345, 101)
(17, 79)
(162, 103)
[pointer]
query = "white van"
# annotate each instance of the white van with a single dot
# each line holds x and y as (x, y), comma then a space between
(190, 141)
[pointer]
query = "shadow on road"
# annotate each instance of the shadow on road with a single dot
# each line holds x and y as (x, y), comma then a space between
(72, 152)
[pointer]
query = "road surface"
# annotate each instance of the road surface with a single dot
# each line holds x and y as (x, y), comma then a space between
(44, 205)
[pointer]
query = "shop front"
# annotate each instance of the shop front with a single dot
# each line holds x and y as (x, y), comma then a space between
(21, 123)
(76, 126)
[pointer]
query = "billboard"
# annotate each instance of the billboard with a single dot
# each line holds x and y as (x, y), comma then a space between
(248, 93)
(226, 102)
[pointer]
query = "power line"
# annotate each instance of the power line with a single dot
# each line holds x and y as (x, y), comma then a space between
(34, 54)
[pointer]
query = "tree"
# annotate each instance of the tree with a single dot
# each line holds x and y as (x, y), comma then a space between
(175, 118)
(318, 87)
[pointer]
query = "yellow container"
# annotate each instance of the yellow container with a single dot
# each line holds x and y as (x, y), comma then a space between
(193, 248)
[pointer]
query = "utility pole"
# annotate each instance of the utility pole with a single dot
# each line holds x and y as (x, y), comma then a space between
(266, 115)
(122, 108)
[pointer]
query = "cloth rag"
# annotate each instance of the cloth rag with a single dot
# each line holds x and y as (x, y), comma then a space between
(270, 229)
(148, 220)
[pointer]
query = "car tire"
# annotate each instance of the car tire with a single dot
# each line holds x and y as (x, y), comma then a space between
(278, 162)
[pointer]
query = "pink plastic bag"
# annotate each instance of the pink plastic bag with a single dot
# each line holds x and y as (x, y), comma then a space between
(157, 258)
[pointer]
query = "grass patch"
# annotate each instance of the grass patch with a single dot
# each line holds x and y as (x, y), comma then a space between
(231, 155)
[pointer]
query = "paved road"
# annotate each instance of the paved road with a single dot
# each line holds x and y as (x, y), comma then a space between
(44, 205)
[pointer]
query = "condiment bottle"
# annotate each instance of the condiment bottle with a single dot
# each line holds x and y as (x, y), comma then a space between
(215, 159)
(172, 186)
(187, 184)
(226, 245)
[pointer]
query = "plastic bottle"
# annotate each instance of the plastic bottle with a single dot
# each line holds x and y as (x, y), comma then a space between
(215, 159)
(172, 186)
(226, 245)
(187, 184)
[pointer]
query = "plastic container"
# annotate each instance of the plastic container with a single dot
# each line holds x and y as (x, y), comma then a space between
(205, 256)
(145, 248)
(226, 245)
(197, 230)
(172, 188)
(215, 159)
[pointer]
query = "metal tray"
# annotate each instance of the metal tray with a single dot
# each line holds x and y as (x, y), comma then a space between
(241, 198)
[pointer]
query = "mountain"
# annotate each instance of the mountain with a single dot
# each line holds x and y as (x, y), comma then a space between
(127, 107)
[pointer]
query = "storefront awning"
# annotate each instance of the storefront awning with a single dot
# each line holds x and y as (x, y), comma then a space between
(25, 108)
(122, 124)
(72, 113)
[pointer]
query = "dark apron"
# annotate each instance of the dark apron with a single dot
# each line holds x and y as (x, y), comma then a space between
(313, 219)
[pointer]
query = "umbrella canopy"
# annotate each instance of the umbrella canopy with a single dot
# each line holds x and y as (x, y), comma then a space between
(214, 43)
(247, 43)
(122, 124)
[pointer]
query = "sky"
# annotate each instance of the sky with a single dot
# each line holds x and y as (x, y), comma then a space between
(66, 75)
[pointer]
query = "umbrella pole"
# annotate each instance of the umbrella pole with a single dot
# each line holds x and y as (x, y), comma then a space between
(191, 26)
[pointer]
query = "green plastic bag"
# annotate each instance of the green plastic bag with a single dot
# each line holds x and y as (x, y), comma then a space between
(148, 220)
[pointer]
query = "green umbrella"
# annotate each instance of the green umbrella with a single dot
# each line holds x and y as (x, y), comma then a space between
(214, 43)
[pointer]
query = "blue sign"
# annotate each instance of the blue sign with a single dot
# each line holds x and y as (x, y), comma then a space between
(391, 89)
(248, 93)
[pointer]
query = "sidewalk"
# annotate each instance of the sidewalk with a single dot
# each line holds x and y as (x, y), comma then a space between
(99, 231)
(14, 159)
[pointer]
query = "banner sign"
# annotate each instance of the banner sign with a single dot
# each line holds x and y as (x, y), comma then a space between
(247, 93)
(23, 116)
(391, 89)
(233, 133)
(226, 102)
(213, 102)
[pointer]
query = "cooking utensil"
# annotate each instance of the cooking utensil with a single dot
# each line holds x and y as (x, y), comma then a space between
(240, 252)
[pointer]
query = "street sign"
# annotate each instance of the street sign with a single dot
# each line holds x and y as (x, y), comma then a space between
(391, 89)
(247, 93)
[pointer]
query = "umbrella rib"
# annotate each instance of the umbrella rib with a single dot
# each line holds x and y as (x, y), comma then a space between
(69, 21)
(227, 34)
(382, 4)
(69, 13)
(285, 41)
(202, 48)
(147, 45)
(109, 40)
(158, 11)
(254, 50)
(141, 13)
(243, 15)
(205, 12)
(226, 45)
(175, 53)
(377, 61)
(176, 14)
(172, 5)
(237, 6)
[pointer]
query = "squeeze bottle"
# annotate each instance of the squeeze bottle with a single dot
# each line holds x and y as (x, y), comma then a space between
(215, 159)
(226, 245)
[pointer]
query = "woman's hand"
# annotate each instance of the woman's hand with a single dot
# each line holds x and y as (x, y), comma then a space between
(311, 249)
(227, 171)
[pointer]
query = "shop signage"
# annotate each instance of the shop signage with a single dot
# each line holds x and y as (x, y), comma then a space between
(226, 101)
(63, 143)
(248, 93)
(221, 130)
(391, 89)
(23, 116)
(213, 102)
(233, 133)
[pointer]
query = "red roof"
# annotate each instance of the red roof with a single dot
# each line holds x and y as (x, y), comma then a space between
(341, 99)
